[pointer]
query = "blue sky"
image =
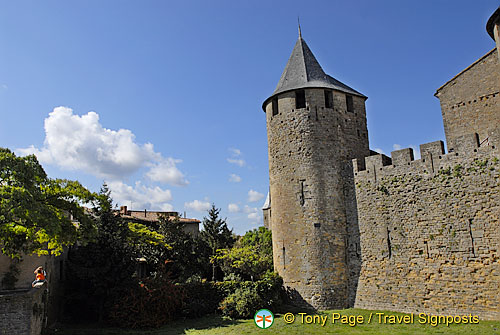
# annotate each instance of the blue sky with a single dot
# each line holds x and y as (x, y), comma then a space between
(162, 99)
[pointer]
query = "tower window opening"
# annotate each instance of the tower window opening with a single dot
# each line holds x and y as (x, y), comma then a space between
(284, 260)
(389, 248)
(275, 106)
(348, 100)
(300, 99)
(328, 99)
(302, 197)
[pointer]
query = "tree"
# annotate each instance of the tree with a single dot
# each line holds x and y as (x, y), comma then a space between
(259, 238)
(166, 244)
(36, 211)
(185, 253)
(99, 272)
(216, 234)
(251, 257)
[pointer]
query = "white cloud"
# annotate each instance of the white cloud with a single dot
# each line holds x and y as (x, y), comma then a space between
(235, 152)
(76, 142)
(380, 151)
(197, 205)
(239, 162)
(165, 171)
(4, 86)
(254, 214)
(254, 196)
(247, 209)
(234, 178)
(396, 146)
(140, 196)
(233, 208)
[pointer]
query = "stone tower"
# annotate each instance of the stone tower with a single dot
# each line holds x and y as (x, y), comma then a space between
(315, 126)
(470, 101)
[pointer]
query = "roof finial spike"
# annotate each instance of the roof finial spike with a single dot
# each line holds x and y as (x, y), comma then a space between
(298, 21)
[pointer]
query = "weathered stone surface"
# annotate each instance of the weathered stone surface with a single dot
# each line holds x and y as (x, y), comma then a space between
(308, 150)
(380, 233)
(54, 267)
(22, 312)
(470, 102)
(430, 237)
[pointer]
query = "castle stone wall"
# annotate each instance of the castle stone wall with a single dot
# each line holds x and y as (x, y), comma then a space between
(54, 267)
(308, 148)
(27, 266)
(430, 229)
(266, 213)
(353, 247)
(22, 311)
(470, 102)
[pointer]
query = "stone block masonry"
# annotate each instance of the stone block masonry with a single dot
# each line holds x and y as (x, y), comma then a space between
(470, 102)
(22, 312)
(430, 230)
(307, 150)
(378, 233)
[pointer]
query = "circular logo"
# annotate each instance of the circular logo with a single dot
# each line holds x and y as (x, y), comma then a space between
(289, 317)
(264, 318)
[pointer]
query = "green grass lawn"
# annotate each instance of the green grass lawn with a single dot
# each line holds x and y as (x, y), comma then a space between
(220, 326)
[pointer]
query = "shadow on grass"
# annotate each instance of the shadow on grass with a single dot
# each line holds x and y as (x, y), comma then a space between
(204, 323)
(179, 326)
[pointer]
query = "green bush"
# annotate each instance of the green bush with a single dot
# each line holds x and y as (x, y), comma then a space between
(243, 303)
(252, 296)
(228, 306)
(200, 298)
(235, 299)
(226, 288)
(250, 258)
(150, 304)
(271, 290)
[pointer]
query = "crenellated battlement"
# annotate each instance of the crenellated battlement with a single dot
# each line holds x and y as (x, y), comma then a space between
(433, 157)
(377, 232)
(427, 225)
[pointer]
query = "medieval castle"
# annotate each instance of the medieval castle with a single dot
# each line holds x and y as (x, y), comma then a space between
(352, 228)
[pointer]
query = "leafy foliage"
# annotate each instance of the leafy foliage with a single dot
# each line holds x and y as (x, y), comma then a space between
(250, 258)
(243, 261)
(232, 298)
(252, 296)
(35, 210)
(261, 238)
(216, 235)
(150, 304)
(270, 289)
(167, 243)
(100, 271)
(201, 298)
(243, 303)
(142, 235)
(215, 231)
(187, 255)
(11, 277)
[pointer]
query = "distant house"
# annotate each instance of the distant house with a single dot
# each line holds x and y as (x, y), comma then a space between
(191, 226)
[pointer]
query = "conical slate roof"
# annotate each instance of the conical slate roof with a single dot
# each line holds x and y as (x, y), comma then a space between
(494, 18)
(304, 71)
